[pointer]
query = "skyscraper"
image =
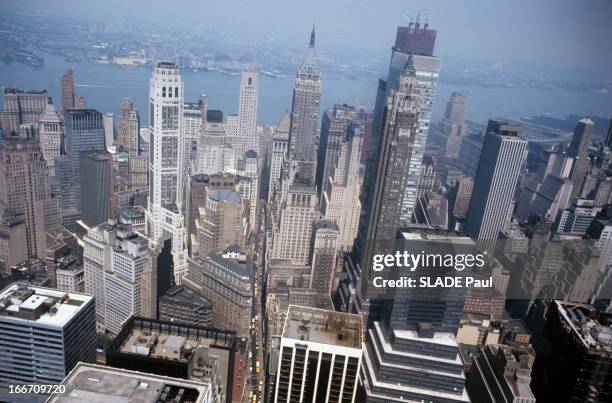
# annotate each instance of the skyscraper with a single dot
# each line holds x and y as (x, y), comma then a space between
(334, 129)
(384, 196)
(70, 98)
(412, 354)
(97, 168)
(415, 42)
(320, 356)
(453, 124)
(305, 113)
(128, 135)
(579, 151)
(164, 207)
(247, 112)
(84, 132)
(279, 154)
(24, 185)
(51, 131)
(340, 200)
(67, 86)
(22, 107)
(499, 169)
(59, 328)
(608, 141)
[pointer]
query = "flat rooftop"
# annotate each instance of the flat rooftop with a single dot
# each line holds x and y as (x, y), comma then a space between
(97, 384)
(20, 301)
(324, 326)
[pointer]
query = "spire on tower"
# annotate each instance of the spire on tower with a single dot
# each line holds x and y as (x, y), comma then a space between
(312, 37)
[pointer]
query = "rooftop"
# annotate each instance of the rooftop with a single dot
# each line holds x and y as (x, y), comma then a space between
(324, 326)
(97, 384)
(183, 295)
(46, 306)
(584, 322)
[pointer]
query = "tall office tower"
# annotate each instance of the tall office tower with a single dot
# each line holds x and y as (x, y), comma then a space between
(305, 114)
(383, 199)
(198, 189)
(24, 185)
(573, 354)
(324, 254)
(97, 250)
(384, 202)
(320, 356)
(416, 42)
(22, 107)
(84, 131)
(97, 167)
(500, 371)
(51, 131)
(68, 93)
(222, 222)
(128, 127)
(214, 155)
(13, 239)
(460, 201)
(280, 145)
(44, 333)
(412, 354)
(334, 129)
(247, 113)
(193, 122)
(340, 199)
(251, 192)
(166, 180)
(108, 121)
(579, 151)
(453, 125)
(156, 279)
(225, 279)
(122, 280)
(292, 234)
(501, 161)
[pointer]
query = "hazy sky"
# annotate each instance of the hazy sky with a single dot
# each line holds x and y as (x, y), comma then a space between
(571, 33)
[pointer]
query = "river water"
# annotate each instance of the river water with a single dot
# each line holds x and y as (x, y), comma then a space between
(104, 86)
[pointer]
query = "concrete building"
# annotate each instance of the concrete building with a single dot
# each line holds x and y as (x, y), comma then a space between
(499, 168)
(579, 151)
(320, 356)
(60, 329)
(70, 98)
(22, 107)
(501, 373)
(324, 255)
(305, 108)
(573, 353)
(280, 145)
(221, 223)
(334, 130)
(204, 355)
(182, 305)
(123, 279)
(225, 279)
(245, 138)
(340, 199)
(96, 190)
(24, 185)
(51, 132)
(453, 124)
(293, 229)
(105, 384)
(166, 178)
(426, 69)
(84, 131)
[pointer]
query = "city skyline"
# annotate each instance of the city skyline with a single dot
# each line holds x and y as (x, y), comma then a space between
(388, 251)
